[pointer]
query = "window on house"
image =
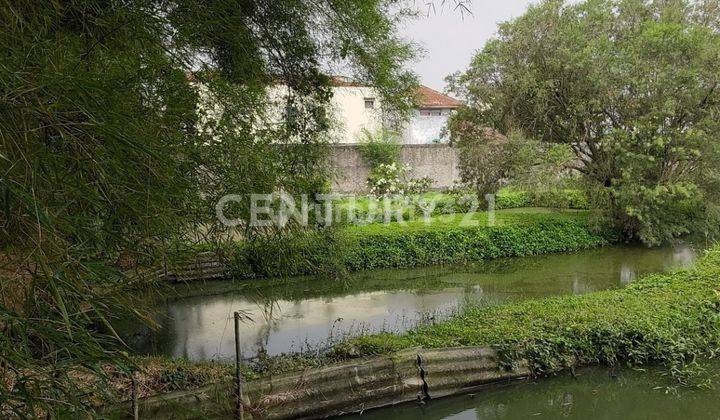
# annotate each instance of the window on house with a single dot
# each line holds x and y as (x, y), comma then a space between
(369, 103)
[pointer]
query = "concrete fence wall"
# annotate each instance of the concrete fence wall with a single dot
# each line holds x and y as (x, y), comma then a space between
(437, 161)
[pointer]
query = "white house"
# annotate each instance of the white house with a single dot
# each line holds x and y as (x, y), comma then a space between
(355, 108)
(358, 107)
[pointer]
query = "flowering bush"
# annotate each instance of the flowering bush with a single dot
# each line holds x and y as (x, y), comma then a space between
(387, 179)
(419, 185)
(381, 151)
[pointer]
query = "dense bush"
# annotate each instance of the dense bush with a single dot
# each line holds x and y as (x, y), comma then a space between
(312, 252)
(387, 179)
(513, 199)
(419, 185)
(390, 248)
(415, 244)
(667, 318)
(561, 199)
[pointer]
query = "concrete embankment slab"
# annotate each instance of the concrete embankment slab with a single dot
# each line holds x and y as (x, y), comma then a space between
(457, 370)
(353, 386)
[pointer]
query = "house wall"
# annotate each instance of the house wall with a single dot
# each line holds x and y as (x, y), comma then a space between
(347, 107)
(426, 125)
(438, 161)
(349, 112)
(348, 104)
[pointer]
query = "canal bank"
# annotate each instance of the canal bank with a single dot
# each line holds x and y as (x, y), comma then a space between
(590, 393)
(447, 239)
(668, 319)
(661, 318)
(307, 314)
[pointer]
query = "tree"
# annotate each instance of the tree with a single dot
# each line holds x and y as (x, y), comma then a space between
(630, 85)
(109, 163)
(488, 159)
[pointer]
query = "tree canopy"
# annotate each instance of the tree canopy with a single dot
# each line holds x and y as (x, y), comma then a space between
(109, 161)
(631, 86)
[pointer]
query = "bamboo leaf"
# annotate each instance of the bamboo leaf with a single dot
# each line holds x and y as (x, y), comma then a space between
(61, 304)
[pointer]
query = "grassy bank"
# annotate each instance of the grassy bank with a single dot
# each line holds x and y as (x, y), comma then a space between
(441, 240)
(509, 198)
(670, 319)
(370, 209)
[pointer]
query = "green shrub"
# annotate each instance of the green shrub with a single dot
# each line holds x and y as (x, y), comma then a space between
(513, 199)
(415, 244)
(565, 199)
(450, 245)
(379, 148)
(310, 252)
(417, 186)
(508, 198)
(387, 180)
(387, 177)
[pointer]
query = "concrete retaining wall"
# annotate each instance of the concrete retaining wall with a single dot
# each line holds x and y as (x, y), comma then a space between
(355, 386)
(438, 161)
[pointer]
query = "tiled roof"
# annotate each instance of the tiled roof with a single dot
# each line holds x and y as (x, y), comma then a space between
(430, 98)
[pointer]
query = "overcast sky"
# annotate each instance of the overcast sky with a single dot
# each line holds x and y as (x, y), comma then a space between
(450, 39)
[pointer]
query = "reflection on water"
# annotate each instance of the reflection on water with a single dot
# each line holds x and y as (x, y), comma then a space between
(306, 313)
(593, 394)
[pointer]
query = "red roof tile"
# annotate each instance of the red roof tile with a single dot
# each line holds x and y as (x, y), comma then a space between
(429, 98)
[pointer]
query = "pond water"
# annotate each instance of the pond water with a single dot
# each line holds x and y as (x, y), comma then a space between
(593, 394)
(306, 313)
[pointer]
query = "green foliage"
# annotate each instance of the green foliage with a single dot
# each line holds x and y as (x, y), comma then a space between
(380, 148)
(419, 185)
(456, 201)
(509, 198)
(291, 254)
(122, 123)
(448, 244)
(167, 375)
(513, 199)
(666, 318)
(386, 180)
(630, 86)
(415, 244)
(367, 210)
(572, 199)
(381, 151)
(487, 158)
